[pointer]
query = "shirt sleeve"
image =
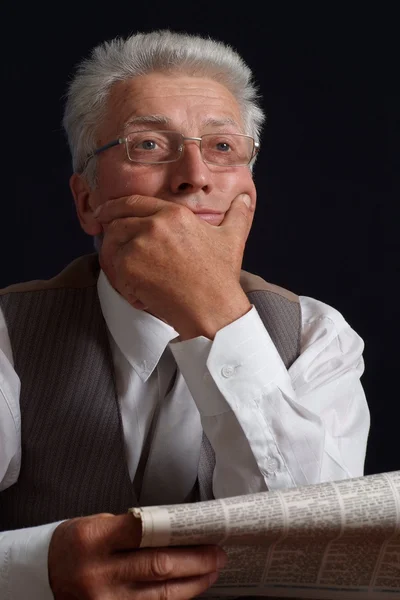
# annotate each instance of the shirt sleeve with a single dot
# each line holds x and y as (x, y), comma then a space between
(23, 563)
(23, 552)
(10, 418)
(271, 427)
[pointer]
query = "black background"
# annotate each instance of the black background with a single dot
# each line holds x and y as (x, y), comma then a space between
(327, 176)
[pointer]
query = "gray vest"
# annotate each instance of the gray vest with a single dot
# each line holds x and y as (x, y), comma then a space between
(73, 457)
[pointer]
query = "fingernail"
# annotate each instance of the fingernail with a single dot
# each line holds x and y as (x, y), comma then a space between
(97, 212)
(246, 199)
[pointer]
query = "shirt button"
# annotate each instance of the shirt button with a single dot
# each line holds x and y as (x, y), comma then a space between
(227, 371)
(271, 465)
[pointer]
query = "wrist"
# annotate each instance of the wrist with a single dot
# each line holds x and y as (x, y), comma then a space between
(207, 321)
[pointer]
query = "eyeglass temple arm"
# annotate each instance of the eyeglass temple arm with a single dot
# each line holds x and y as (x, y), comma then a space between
(102, 148)
(109, 145)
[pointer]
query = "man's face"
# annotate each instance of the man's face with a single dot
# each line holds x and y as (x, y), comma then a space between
(189, 105)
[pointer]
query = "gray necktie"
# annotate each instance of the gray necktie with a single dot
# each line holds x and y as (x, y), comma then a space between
(169, 468)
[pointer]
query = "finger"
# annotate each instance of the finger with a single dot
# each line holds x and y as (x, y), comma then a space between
(240, 215)
(114, 532)
(125, 533)
(121, 230)
(163, 564)
(93, 536)
(128, 206)
(179, 589)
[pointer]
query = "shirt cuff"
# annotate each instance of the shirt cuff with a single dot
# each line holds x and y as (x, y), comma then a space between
(232, 369)
(24, 563)
(230, 379)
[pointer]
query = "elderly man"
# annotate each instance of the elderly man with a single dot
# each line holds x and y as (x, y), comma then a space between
(158, 372)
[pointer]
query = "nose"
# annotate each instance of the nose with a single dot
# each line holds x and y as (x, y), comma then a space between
(190, 173)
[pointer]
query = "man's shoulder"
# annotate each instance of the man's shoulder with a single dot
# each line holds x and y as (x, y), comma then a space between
(80, 273)
(253, 283)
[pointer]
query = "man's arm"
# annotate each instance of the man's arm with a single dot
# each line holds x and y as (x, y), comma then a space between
(98, 556)
(10, 419)
(272, 428)
(23, 553)
(88, 556)
(23, 563)
(285, 428)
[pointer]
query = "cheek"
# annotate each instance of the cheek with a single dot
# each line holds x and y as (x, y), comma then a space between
(238, 182)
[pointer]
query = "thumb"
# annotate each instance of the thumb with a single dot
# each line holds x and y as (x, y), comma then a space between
(240, 214)
(122, 532)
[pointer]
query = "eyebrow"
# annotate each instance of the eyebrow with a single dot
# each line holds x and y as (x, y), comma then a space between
(220, 122)
(163, 120)
(148, 119)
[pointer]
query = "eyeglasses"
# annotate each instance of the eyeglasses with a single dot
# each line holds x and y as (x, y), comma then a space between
(156, 147)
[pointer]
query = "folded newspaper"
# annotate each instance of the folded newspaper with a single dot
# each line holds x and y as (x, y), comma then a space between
(336, 540)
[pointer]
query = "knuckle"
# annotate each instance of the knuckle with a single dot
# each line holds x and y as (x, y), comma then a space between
(157, 227)
(166, 591)
(113, 226)
(153, 224)
(83, 535)
(210, 557)
(180, 212)
(132, 200)
(160, 564)
(81, 539)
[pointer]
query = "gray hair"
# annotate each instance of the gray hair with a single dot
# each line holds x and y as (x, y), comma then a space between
(140, 54)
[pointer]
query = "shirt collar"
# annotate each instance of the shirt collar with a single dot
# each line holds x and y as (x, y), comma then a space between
(141, 337)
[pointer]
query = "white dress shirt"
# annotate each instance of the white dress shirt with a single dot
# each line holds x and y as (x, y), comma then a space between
(270, 427)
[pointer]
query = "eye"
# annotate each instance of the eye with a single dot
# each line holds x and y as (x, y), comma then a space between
(223, 146)
(147, 145)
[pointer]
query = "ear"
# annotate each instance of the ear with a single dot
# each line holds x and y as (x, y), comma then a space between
(85, 204)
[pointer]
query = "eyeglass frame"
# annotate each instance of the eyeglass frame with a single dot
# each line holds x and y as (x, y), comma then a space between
(124, 140)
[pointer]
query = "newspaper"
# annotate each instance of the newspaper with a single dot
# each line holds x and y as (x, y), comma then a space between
(326, 541)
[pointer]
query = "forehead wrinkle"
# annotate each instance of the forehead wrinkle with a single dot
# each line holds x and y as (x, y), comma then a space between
(164, 120)
(156, 86)
(215, 122)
